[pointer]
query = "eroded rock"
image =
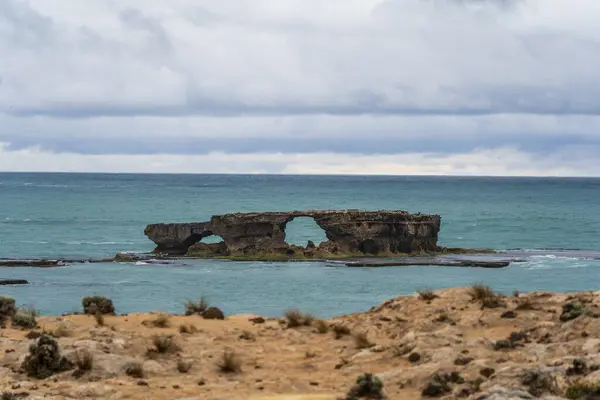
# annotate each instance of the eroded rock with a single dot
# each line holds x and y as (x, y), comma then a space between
(351, 232)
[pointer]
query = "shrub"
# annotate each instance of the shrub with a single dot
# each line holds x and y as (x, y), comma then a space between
(583, 390)
(25, 318)
(164, 344)
(230, 363)
(97, 304)
(84, 360)
(321, 326)
(368, 387)
(427, 294)
(296, 318)
(135, 369)
(62, 330)
(44, 359)
(485, 295)
(199, 307)
(361, 341)
(184, 366)
(340, 330)
(213, 313)
(7, 308)
(161, 321)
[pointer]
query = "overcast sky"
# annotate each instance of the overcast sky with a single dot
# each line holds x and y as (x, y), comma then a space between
(461, 87)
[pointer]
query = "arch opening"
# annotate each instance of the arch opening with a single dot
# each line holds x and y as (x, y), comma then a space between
(206, 245)
(301, 230)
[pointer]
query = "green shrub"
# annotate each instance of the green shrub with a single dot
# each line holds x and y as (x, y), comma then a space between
(97, 304)
(44, 359)
(7, 308)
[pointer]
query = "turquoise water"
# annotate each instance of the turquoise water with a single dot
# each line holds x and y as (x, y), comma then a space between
(95, 215)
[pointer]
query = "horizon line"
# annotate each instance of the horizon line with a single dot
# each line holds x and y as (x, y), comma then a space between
(303, 175)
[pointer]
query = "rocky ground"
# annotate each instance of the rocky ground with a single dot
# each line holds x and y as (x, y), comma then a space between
(456, 343)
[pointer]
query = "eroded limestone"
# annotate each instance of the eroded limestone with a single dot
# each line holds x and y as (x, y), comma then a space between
(262, 234)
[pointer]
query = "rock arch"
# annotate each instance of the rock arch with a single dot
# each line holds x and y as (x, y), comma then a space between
(349, 232)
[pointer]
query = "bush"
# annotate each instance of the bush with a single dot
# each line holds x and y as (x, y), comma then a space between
(427, 294)
(97, 304)
(44, 359)
(340, 330)
(25, 318)
(84, 360)
(296, 318)
(135, 369)
(7, 308)
(321, 326)
(213, 313)
(368, 387)
(164, 344)
(192, 308)
(361, 340)
(485, 296)
(230, 363)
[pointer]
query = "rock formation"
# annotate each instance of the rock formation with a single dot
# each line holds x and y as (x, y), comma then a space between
(349, 232)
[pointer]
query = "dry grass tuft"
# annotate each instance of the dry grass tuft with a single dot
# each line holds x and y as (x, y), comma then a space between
(321, 326)
(427, 295)
(62, 330)
(230, 363)
(164, 344)
(361, 341)
(340, 330)
(485, 296)
(184, 366)
(99, 318)
(296, 318)
(198, 307)
(84, 360)
(161, 321)
(187, 329)
(135, 369)
(525, 303)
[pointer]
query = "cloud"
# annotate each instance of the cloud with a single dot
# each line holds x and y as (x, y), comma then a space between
(350, 77)
(572, 161)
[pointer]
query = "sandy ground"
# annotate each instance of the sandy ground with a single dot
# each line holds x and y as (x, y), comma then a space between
(409, 339)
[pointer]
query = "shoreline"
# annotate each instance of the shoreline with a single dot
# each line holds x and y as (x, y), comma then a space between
(459, 342)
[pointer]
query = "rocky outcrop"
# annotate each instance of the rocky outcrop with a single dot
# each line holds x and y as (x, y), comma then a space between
(349, 232)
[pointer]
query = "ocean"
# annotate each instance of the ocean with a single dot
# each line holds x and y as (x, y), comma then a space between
(97, 215)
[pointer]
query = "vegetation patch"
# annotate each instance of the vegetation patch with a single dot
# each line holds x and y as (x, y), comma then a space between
(230, 363)
(97, 304)
(44, 359)
(296, 318)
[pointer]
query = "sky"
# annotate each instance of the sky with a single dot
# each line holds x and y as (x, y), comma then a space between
(416, 87)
